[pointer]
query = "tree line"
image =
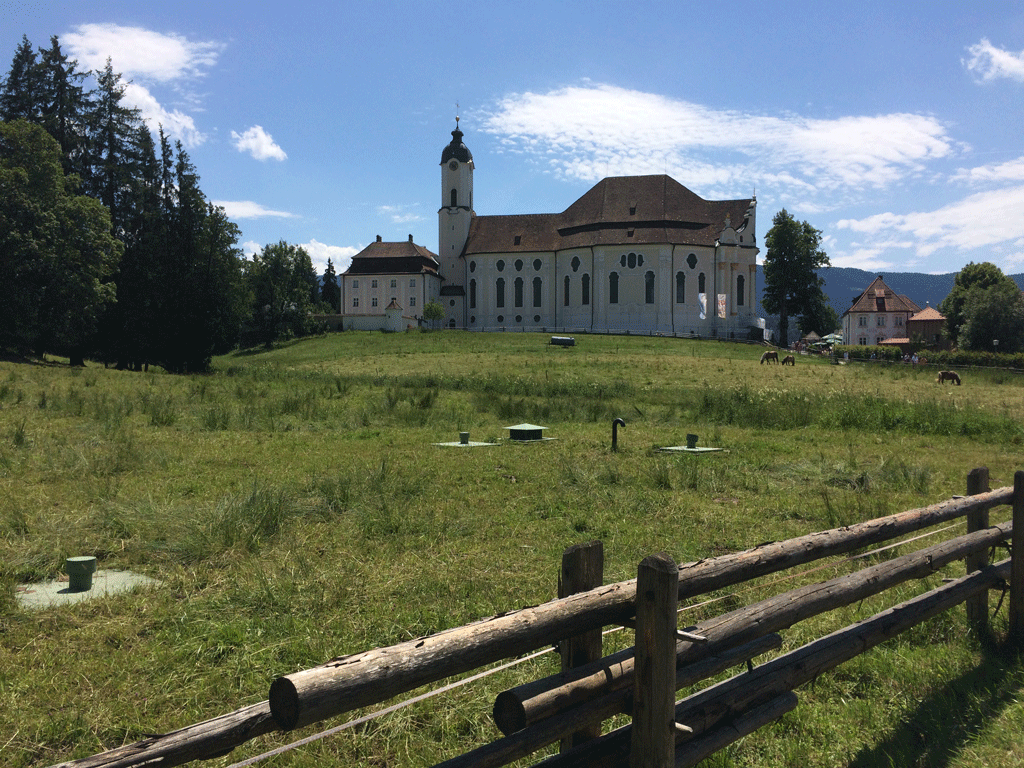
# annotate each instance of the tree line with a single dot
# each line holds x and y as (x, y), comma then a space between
(108, 247)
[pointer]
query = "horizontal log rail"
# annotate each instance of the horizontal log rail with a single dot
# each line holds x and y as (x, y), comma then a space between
(349, 682)
(716, 705)
(529, 703)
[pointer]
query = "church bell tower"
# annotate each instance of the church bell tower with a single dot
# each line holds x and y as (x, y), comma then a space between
(453, 219)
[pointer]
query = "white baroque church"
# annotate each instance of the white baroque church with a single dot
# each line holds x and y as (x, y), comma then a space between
(635, 254)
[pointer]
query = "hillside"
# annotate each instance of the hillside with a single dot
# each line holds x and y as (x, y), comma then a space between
(843, 285)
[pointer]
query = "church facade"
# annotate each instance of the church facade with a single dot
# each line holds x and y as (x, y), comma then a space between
(635, 254)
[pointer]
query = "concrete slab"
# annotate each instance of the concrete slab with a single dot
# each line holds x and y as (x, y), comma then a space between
(465, 445)
(104, 584)
(684, 449)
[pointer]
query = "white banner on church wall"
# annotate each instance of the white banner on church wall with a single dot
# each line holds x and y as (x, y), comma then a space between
(721, 305)
(702, 298)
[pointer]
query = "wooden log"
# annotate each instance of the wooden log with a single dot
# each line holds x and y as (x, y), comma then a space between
(582, 570)
(977, 606)
(692, 752)
(526, 704)
(711, 706)
(350, 682)
(528, 740)
(654, 689)
(203, 741)
(1015, 629)
(708, 575)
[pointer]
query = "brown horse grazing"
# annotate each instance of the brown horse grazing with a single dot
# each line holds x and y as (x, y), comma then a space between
(770, 355)
(949, 376)
(789, 360)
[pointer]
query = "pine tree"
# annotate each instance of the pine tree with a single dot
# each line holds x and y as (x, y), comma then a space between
(20, 94)
(330, 292)
(64, 105)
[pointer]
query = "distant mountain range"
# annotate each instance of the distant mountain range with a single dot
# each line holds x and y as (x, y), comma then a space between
(843, 285)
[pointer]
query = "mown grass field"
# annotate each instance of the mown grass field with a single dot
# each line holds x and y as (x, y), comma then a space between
(296, 508)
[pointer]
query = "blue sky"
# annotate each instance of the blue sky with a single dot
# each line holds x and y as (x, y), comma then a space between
(896, 128)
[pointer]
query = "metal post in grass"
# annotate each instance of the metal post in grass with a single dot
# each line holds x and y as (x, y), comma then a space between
(977, 606)
(1016, 628)
(582, 570)
(654, 691)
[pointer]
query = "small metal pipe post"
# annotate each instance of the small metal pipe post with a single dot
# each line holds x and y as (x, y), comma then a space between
(615, 433)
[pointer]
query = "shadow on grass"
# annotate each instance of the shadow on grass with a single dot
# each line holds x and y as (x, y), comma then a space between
(945, 722)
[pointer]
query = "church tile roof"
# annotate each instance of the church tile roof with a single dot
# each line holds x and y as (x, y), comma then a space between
(626, 210)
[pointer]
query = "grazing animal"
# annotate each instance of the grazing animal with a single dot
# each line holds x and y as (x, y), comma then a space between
(770, 355)
(949, 376)
(789, 360)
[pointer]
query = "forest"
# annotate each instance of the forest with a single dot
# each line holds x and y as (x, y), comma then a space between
(109, 250)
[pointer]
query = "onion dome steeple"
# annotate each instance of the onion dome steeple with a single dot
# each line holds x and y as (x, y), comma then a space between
(456, 149)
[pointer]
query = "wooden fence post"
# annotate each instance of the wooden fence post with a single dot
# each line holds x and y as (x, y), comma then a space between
(654, 691)
(582, 570)
(1016, 628)
(977, 606)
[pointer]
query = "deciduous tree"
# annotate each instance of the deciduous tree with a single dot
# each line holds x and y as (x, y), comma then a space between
(971, 277)
(792, 287)
(56, 251)
(283, 284)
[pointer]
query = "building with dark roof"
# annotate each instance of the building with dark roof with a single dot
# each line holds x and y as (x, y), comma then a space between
(634, 254)
(878, 316)
(385, 275)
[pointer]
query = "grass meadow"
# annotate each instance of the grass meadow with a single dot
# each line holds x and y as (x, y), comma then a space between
(295, 507)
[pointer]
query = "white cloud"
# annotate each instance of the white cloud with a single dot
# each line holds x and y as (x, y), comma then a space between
(258, 143)
(592, 131)
(145, 59)
(1010, 171)
(340, 255)
(247, 209)
(399, 214)
(987, 62)
(987, 220)
(174, 122)
(138, 52)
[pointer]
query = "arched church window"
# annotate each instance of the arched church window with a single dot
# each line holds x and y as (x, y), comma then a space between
(472, 266)
(536, 291)
(455, 197)
(519, 265)
(586, 290)
(740, 282)
(519, 291)
(691, 260)
(649, 287)
(537, 264)
(472, 294)
(566, 300)
(575, 263)
(700, 283)
(639, 259)
(680, 287)
(613, 288)
(499, 292)
(622, 261)
(500, 265)
(631, 261)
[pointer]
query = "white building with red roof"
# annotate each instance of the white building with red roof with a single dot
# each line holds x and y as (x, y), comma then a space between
(878, 316)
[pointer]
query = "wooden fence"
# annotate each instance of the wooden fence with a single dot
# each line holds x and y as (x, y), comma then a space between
(642, 681)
